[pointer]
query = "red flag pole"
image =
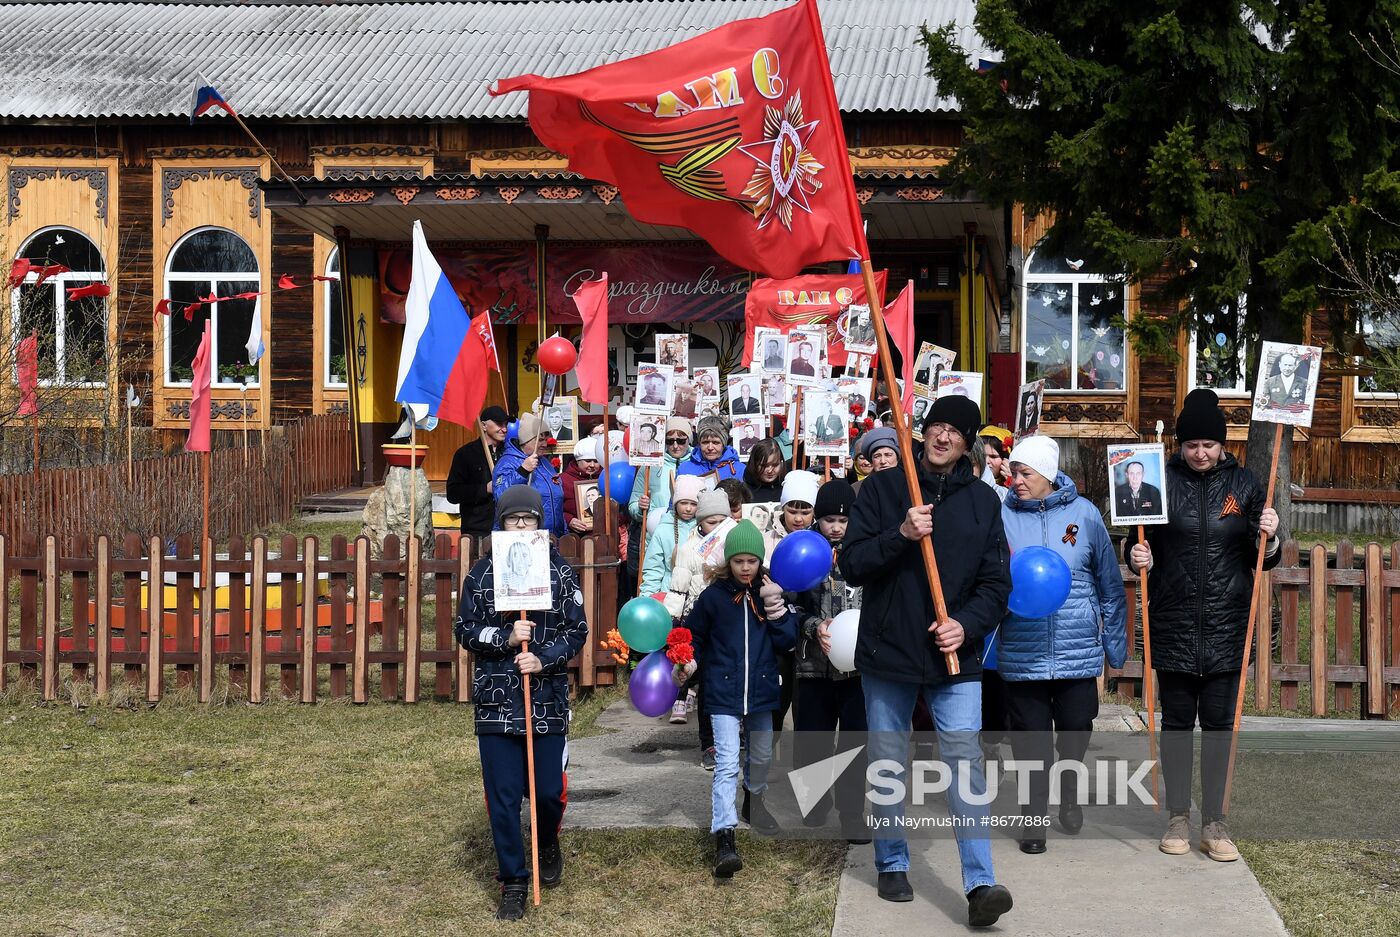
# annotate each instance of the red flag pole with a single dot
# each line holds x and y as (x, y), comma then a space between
(906, 454)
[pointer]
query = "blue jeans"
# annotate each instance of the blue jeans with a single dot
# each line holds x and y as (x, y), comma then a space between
(957, 715)
(760, 732)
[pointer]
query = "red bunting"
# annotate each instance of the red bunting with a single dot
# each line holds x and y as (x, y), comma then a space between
(92, 289)
(285, 282)
(50, 270)
(18, 271)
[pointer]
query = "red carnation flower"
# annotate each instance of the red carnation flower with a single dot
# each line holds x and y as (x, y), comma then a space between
(551, 441)
(870, 422)
(854, 432)
(856, 408)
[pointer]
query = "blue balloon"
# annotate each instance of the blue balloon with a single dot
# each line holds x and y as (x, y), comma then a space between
(621, 475)
(801, 561)
(1040, 581)
(513, 429)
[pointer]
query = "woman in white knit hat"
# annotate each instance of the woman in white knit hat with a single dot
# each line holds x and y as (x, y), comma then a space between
(1048, 665)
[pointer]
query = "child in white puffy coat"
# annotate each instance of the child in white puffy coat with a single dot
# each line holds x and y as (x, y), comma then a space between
(689, 576)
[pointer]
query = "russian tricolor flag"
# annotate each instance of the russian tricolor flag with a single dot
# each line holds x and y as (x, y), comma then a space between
(444, 359)
(207, 97)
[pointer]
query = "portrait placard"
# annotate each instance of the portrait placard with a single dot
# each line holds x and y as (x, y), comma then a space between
(654, 384)
(860, 330)
(586, 496)
(520, 570)
(645, 435)
(805, 348)
(1029, 401)
(1286, 389)
(561, 423)
(745, 433)
(673, 348)
(745, 395)
(960, 384)
(1137, 483)
(930, 360)
(770, 351)
(826, 421)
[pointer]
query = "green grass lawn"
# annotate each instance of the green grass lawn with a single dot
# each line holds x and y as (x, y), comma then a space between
(330, 819)
(1322, 889)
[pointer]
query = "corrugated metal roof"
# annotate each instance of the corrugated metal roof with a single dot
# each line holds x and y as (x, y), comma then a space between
(411, 60)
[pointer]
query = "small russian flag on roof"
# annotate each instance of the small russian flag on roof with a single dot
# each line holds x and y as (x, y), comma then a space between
(206, 97)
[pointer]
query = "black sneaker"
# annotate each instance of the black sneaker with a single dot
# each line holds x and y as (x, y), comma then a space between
(707, 759)
(551, 865)
(987, 903)
(512, 900)
(727, 860)
(894, 886)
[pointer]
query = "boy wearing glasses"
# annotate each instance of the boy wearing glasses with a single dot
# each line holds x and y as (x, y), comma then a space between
(501, 666)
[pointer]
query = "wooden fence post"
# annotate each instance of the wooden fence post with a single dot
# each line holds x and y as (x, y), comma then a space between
(82, 592)
(1317, 648)
(104, 613)
(208, 613)
(361, 675)
(155, 620)
(1343, 695)
(1264, 645)
(4, 611)
(1373, 637)
(444, 637)
(413, 629)
(258, 626)
(310, 584)
(50, 618)
(589, 582)
(463, 692)
(338, 593)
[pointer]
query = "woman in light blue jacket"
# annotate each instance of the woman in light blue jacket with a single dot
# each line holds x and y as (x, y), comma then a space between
(1049, 665)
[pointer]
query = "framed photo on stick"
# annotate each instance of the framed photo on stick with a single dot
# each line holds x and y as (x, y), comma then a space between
(1286, 389)
(645, 435)
(586, 495)
(1137, 484)
(744, 395)
(770, 351)
(1029, 399)
(673, 348)
(654, 384)
(520, 569)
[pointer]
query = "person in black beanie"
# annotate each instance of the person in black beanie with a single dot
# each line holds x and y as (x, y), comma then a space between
(1201, 578)
(900, 644)
(469, 479)
(827, 699)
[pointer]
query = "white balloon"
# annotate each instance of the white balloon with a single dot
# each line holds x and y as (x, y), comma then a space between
(843, 640)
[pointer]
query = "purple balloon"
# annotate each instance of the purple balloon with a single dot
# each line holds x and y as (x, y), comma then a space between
(651, 686)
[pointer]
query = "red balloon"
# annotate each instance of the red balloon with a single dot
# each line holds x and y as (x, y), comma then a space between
(557, 355)
(627, 439)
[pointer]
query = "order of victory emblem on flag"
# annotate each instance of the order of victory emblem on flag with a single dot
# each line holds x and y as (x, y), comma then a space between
(787, 170)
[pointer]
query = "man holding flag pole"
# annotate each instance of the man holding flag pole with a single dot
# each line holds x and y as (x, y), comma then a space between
(736, 135)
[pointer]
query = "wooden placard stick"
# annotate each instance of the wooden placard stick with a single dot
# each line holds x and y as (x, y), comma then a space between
(795, 420)
(1249, 628)
(530, 770)
(1148, 685)
(906, 452)
(642, 545)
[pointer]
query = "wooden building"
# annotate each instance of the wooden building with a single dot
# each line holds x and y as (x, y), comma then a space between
(382, 122)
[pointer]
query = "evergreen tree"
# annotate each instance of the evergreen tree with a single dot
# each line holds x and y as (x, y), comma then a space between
(1211, 147)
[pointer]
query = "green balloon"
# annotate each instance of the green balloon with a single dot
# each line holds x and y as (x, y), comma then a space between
(644, 624)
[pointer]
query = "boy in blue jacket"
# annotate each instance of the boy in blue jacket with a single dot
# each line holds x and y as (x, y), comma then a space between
(737, 626)
(522, 464)
(494, 638)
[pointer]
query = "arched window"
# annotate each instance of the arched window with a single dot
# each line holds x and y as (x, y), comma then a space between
(218, 264)
(337, 367)
(72, 333)
(1071, 335)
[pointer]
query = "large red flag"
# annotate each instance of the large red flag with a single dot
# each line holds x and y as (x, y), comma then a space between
(591, 297)
(28, 367)
(899, 323)
(465, 392)
(814, 300)
(734, 134)
(198, 439)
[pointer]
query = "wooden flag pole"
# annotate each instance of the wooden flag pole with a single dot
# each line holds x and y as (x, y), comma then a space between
(1149, 688)
(642, 545)
(412, 479)
(530, 770)
(796, 422)
(1253, 614)
(607, 481)
(906, 454)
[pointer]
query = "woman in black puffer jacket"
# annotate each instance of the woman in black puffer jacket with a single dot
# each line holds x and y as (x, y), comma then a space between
(1201, 578)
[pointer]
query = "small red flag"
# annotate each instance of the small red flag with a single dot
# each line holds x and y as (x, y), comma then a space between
(734, 134)
(19, 270)
(899, 322)
(198, 439)
(162, 309)
(50, 270)
(92, 289)
(465, 393)
(285, 282)
(592, 367)
(28, 366)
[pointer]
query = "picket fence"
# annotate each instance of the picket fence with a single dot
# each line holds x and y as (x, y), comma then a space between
(251, 487)
(348, 617)
(1351, 635)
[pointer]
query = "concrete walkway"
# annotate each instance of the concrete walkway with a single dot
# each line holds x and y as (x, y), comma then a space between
(1109, 880)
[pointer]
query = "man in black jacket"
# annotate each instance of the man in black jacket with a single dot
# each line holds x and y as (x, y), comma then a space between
(900, 645)
(469, 480)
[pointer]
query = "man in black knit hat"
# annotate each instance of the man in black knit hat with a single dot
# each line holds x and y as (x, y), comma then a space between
(900, 645)
(469, 480)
